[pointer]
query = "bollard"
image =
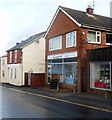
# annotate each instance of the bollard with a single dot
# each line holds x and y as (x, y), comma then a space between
(74, 91)
(58, 88)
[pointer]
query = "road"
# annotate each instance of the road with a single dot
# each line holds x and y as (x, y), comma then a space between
(17, 104)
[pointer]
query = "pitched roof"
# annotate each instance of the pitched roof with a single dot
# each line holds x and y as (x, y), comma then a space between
(4, 56)
(94, 21)
(82, 19)
(27, 41)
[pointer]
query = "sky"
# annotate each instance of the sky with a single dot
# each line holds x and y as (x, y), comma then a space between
(20, 19)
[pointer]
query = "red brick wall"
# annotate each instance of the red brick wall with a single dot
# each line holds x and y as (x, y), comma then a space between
(61, 26)
(37, 79)
(19, 57)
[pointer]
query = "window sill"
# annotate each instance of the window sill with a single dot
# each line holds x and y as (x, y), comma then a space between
(70, 46)
(55, 50)
(94, 43)
(108, 44)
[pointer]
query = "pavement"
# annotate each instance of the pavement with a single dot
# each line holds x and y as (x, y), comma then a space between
(88, 99)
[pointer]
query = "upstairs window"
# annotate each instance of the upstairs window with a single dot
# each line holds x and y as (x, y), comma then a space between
(94, 36)
(109, 38)
(10, 59)
(71, 39)
(55, 43)
(15, 59)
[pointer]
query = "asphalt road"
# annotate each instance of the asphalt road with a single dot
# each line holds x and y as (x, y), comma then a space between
(15, 104)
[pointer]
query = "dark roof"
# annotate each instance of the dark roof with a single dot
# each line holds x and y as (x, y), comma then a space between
(100, 54)
(84, 19)
(27, 41)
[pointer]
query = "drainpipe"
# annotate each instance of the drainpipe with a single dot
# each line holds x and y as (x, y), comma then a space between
(22, 69)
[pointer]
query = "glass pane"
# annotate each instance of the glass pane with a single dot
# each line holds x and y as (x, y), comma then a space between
(57, 61)
(100, 75)
(70, 73)
(91, 36)
(70, 59)
(71, 39)
(56, 71)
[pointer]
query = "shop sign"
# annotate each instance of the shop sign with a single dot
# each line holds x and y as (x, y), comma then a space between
(63, 55)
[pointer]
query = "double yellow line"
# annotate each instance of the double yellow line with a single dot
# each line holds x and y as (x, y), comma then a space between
(66, 101)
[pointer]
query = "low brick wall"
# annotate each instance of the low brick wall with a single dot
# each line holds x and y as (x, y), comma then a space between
(37, 79)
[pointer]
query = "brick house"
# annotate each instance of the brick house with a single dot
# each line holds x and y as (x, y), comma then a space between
(70, 34)
(26, 66)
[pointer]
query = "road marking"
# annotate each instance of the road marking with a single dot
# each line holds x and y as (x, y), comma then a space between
(62, 100)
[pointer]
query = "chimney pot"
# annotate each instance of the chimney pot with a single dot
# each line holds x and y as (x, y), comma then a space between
(89, 10)
(17, 43)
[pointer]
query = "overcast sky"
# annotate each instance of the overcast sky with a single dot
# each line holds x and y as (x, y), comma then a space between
(19, 19)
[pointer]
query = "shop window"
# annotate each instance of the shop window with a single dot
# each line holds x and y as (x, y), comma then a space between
(109, 38)
(70, 73)
(94, 36)
(65, 72)
(71, 39)
(100, 75)
(55, 43)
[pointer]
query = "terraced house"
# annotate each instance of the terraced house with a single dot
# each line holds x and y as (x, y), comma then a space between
(3, 69)
(26, 62)
(70, 34)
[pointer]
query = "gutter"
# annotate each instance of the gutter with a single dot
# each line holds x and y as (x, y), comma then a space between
(96, 27)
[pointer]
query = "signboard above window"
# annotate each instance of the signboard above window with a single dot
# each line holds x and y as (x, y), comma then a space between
(63, 55)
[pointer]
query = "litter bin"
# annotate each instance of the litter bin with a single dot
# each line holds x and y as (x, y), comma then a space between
(53, 83)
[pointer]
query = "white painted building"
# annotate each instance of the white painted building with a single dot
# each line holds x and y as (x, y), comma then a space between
(25, 58)
(3, 69)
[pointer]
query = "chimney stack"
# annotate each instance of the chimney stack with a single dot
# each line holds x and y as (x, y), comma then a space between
(17, 43)
(89, 10)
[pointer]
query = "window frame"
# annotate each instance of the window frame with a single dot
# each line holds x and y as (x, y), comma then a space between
(11, 70)
(15, 73)
(15, 56)
(3, 73)
(71, 40)
(106, 39)
(52, 43)
(10, 57)
(96, 35)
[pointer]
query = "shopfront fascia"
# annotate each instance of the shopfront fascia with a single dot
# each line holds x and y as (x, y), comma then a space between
(63, 67)
(100, 68)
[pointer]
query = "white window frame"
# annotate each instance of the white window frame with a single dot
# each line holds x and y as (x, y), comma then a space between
(70, 39)
(53, 43)
(10, 60)
(96, 33)
(15, 58)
